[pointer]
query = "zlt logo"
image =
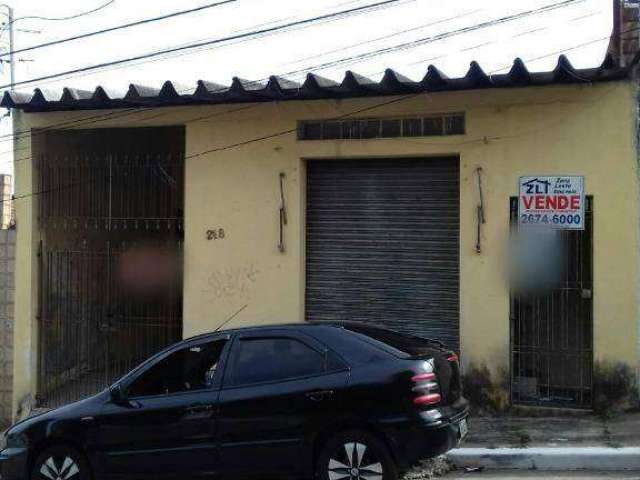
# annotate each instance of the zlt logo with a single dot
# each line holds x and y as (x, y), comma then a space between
(535, 186)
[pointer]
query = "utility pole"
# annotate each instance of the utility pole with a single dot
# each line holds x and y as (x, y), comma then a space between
(12, 63)
(9, 26)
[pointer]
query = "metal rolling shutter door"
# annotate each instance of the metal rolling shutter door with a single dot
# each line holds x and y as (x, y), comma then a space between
(383, 244)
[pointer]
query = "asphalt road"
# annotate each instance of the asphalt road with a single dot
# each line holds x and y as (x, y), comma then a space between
(528, 475)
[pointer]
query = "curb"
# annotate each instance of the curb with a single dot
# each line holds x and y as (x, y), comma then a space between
(550, 459)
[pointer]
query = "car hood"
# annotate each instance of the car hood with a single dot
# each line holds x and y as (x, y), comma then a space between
(71, 410)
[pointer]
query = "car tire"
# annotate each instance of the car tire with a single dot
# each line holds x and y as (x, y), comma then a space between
(355, 455)
(61, 462)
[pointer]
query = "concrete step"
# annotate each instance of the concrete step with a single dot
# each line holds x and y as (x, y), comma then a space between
(549, 459)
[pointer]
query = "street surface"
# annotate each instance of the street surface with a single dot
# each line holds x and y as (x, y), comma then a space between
(530, 475)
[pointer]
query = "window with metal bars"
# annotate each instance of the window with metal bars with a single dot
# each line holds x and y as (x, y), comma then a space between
(367, 128)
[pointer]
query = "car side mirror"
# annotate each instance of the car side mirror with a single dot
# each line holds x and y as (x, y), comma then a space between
(117, 395)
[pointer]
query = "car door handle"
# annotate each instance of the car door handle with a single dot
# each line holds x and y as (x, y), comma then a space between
(319, 395)
(200, 408)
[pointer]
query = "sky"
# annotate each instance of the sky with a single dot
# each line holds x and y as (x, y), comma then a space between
(579, 30)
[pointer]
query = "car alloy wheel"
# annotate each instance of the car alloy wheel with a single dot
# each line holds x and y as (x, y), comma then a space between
(60, 462)
(59, 470)
(355, 455)
(357, 462)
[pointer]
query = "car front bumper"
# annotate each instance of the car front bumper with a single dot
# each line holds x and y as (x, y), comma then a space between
(13, 463)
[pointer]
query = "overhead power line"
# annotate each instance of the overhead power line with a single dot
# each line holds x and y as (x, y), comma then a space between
(218, 149)
(385, 37)
(288, 131)
(228, 44)
(434, 38)
(177, 52)
(57, 19)
(356, 58)
(70, 17)
(229, 38)
(284, 132)
(132, 111)
(293, 130)
(117, 27)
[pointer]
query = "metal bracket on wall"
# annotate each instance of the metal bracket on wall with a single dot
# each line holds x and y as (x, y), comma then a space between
(481, 220)
(283, 213)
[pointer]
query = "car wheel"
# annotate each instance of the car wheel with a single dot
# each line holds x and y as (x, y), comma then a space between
(355, 455)
(60, 463)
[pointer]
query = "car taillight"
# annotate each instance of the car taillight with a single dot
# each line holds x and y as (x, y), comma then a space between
(424, 377)
(430, 399)
(426, 386)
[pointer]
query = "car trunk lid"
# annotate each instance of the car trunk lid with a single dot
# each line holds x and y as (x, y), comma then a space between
(420, 351)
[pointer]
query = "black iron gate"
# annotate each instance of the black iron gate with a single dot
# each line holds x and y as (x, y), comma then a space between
(552, 330)
(110, 217)
(92, 330)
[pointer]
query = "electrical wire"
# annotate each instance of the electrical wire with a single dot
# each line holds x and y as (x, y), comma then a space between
(69, 17)
(177, 52)
(385, 37)
(119, 114)
(133, 110)
(293, 130)
(455, 32)
(230, 43)
(90, 120)
(422, 41)
(118, 27)
(218, 149)
(56, 19)
(216, 114)
(252, 34)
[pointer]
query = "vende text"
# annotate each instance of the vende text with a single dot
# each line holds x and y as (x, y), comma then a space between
(551, 202)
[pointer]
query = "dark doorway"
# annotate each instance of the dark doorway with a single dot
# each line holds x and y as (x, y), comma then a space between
(111, 226)
(552, 328)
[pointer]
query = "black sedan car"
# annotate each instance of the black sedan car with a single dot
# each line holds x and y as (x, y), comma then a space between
(336, 401)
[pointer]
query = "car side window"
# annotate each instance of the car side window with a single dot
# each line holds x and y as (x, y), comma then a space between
(188, 369)
(257, 360)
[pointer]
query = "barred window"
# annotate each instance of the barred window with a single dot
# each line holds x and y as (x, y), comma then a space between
(355, 129)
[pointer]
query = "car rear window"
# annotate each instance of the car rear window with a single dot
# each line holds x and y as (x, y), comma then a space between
(405, 344)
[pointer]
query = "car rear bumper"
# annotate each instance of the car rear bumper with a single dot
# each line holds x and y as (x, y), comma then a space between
(437, 432)
(13, 464)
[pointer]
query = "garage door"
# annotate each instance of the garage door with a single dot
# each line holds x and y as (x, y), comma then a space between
(382, 244)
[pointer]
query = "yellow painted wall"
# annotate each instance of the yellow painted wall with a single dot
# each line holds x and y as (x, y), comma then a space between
(580, 130)
(25, 329)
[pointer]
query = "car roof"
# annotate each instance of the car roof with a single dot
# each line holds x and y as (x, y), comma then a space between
(270, 326)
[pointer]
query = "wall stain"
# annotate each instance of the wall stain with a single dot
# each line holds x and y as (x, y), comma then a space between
(233, 282)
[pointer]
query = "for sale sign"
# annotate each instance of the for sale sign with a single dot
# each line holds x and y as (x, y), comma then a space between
(553, 202)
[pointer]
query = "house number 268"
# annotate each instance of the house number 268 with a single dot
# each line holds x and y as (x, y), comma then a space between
(215, 234)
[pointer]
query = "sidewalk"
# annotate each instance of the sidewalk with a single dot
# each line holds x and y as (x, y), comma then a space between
(510, 475)
(583, 430)
(557, 443)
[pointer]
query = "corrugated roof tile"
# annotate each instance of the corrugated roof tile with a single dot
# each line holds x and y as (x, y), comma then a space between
(314, 87)
(392, 81)
(206, 90)
(172, 90)
(435, 79)
(477, 76)
(139, 92)
(519, 74)
(70, 95)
